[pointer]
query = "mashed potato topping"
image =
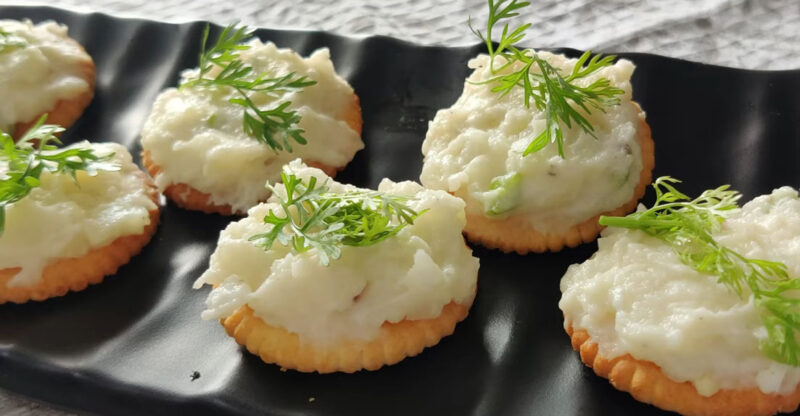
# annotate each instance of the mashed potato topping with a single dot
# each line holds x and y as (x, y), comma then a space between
(65, 219)
(411, 275)
(35, 76)
(195, 135)
(636, 296)
(474, 150)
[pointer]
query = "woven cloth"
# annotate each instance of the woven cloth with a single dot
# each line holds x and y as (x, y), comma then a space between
(753, 34)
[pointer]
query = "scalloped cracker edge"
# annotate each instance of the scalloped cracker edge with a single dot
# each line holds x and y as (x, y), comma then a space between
(395, 342)
(645, 381)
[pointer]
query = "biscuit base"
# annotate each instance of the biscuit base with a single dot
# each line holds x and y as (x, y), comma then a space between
(352, 115)
(516, 234)
(395, 342)
(77, 273)
(188, 197)
(645, 381)
(66, 111)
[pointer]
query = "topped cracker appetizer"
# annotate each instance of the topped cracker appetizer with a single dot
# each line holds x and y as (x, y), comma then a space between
(248, 109)
(328, 277)
(69, 216)
(539, 145)
(692, 305)
(42, 70)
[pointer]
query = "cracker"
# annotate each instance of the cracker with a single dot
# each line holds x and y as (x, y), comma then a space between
(645, 381)
(75, 274)
(352, 115)
(188, 197)
(395, 342)
(516, 234)
(66, 111)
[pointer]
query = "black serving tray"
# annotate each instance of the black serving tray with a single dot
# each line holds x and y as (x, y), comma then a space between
(130, 345)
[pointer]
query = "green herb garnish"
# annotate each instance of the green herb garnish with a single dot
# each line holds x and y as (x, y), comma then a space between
(33, 154)
(10, 41)
(312, 217)
(276, 127)
(687, 226)
(555, 94)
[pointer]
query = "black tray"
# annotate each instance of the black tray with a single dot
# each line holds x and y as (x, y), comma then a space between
(130, 344)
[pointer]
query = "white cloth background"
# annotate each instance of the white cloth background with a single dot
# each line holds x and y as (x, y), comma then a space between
(753, 34)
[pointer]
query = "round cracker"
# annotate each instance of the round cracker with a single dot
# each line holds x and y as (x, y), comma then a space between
(188, 197)
(647, 383)
(395, 342)
(65, 112)
(75, 274)
(516, 234)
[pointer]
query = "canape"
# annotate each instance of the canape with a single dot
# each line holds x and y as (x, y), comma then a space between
(69, 216)
(42, 71)
(328, 277)
(248, 109)
(689, 306)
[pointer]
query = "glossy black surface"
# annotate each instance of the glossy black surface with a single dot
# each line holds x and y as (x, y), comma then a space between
(130, 344)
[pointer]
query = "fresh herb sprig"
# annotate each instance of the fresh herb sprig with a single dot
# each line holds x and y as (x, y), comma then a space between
(687, 225)
(561, 99)
(36, 152)
(313, 217)
(10, 41)
(276, 127)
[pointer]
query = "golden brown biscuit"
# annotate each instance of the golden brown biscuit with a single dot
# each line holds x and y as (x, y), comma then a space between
(396, 341)
(515, 234)
(646, 382)
(190, 198)
(65, 112)
(352, 116)
(65, 274)
(187, 197)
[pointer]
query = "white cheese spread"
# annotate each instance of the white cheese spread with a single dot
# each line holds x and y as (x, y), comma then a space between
(62, 219)
(411, 275)
(636, 296)
(474, 150)
(196, 136)
(35, 76)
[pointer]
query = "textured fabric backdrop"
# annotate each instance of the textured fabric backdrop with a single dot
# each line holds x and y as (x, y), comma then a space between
(756, 34)
(753, 34)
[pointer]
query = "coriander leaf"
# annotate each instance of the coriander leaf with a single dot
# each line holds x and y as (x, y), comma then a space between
(687, 225)
(276, 127)
(313, 217)
(558, 96)
(266, 125)
(36, 152)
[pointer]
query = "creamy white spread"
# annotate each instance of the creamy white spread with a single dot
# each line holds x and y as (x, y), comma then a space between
(636, 296)
(196, 136)
(35, 76)
(62, 219)
(411, 275)
(481, 138)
